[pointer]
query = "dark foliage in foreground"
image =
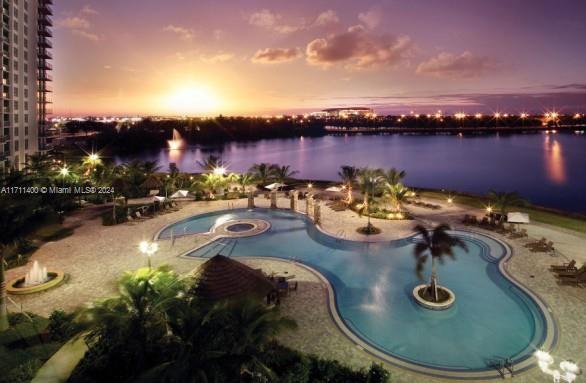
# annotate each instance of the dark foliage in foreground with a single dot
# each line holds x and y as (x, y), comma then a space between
(157, 331)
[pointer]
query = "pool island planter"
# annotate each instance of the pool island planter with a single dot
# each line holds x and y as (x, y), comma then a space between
(438, 306)
(56, 278)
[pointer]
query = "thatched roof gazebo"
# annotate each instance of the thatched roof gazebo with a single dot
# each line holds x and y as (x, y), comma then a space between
(221, 277)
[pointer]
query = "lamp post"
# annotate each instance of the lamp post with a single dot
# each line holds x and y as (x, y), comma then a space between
(148, 248)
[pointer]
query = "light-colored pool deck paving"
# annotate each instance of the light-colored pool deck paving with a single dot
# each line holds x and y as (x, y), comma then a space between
(95, 256)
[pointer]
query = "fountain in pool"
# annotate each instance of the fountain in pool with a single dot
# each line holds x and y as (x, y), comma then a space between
(177, 142)
(36, 275)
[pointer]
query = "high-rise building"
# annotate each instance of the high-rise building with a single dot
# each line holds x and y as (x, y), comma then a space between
(26, 44)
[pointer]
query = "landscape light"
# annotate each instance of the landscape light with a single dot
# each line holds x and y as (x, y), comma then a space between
(489, 209)
(148, 248)
(94, 157)
(450, 200)
(309, 185)
(219, 171)
(64, 171)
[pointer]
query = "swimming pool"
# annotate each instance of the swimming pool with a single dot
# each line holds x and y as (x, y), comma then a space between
(493, 316)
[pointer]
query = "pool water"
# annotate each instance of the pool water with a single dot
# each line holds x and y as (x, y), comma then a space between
(373, 283)
(240, 227)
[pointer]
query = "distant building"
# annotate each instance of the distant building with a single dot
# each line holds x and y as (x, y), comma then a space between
(344, 112)
(26, 44)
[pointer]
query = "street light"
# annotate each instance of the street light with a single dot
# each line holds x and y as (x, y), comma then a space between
(148, 248)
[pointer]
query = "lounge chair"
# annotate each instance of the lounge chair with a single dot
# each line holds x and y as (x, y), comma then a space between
(140, 216)
(293, 285)
(577, 278)
(570, 273)
(541, 243)
(570, 266)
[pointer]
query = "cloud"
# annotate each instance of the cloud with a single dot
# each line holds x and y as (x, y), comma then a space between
(183, 33)
(449, 65)
(86, 35)
(269, 20)
(359, 49)
(74, 22)
(79, 26)
(371, 19)
(219, 57)
(88, 10)
(328, 17)
(276, 55)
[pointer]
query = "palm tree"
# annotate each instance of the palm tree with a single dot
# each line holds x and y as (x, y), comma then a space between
(210, 163)
(396, 194)
(349, 175)
(282, 173)
(394, 176)
(439, 244)
(39, 165)
(244, 180)
(263, 172)
(212, 182)
(136, 319)
(221, 342)
(369, 182)
(503, 200)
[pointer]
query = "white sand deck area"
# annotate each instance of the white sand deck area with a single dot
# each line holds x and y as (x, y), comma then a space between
(95, 256)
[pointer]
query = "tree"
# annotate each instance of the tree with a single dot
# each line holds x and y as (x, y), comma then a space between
(128, 328)
(220, 342)
(369, 182)
(437, 245)
(349, 176)
(244, 180)
(17, 212)
(263, 172)
(282, 173)
(396, 194)
(210, 163)
(503, 200)
(394, 176)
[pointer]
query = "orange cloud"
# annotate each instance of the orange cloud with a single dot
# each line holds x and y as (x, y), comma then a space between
(276, 55)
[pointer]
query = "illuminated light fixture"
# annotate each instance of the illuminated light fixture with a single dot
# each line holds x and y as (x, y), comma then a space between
(148, 248)
(497, 115)
(400, 216)
(309, 185)
(478, 115)
(428, 115)
(219, 171)
(505, 115)
(416, 116)
(460, 116)
(577, 116)
(489, 209)
(450, 200)
(64, 171)
(524, 115)
(93, 157)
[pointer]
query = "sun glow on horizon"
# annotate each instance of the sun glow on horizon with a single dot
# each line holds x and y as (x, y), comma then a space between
(192, 99)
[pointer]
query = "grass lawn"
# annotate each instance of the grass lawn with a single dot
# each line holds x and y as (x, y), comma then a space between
(536, 214)
(23, 350)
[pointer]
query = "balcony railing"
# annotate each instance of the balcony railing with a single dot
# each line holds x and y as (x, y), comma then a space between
(42, 64)
(46, 20)
(45, 77)
(45, 43)
(44, 54)
(44, 31)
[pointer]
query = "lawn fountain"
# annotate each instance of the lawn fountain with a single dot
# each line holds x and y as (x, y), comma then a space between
(36, 279)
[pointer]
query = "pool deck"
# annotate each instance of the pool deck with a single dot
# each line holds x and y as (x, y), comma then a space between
(95, 256)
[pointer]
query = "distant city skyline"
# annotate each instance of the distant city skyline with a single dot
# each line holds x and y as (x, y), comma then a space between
(272, 57)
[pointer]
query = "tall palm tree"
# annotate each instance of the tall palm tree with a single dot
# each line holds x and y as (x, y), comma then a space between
(210, 163)
(394, 176)
(283, 172)
(349, 176)
(369, 181)
(244, 180)
(39, 165)
(150, 167)
(263, 172)
(503, 200)
(437, 245)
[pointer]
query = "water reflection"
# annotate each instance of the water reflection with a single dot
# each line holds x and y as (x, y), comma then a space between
(554, 160)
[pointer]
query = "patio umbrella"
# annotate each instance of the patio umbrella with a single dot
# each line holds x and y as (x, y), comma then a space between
(517, 217)
(334, 189)
(180, 194)
(221, 277)
(275, 186)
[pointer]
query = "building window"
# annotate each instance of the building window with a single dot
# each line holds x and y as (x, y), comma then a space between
(26, 144)
(16, 118)
(16, 131)
(26, 118)
(26, 130)
(16, 148)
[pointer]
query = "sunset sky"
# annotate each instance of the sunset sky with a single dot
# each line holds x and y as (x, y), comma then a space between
(154, 57)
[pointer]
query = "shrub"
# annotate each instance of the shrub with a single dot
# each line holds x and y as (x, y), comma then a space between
(60, 325)
(23, 373)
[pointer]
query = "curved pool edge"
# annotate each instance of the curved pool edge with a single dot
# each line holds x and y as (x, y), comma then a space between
(526, 363)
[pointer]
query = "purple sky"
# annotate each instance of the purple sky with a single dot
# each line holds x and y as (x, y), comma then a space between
(258, 57)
